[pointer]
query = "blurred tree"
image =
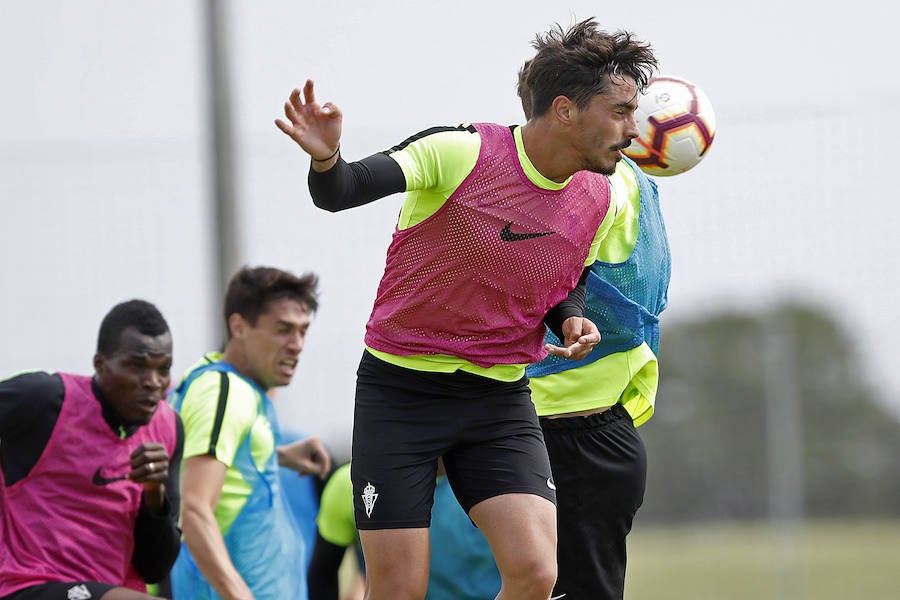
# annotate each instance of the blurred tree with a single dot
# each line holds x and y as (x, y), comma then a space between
(706, 442)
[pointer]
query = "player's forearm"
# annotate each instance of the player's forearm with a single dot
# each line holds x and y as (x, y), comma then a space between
(346, 185)
(204, 539)
(157, 540)
(572, 306)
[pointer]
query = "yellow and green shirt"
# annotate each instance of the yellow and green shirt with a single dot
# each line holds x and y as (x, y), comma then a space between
(217, 419)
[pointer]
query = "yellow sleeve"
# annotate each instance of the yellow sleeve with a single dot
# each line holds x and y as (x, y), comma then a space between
(434, 163)
(618, 232)
(335, 520)
(203, 432)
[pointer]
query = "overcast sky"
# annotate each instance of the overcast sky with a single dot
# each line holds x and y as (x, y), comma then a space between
(104, 180)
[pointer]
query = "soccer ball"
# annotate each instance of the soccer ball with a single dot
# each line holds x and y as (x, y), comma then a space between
(676, 124)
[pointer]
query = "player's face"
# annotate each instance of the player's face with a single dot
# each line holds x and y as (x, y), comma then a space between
(135, 377)
(273, 345)
(606, 126)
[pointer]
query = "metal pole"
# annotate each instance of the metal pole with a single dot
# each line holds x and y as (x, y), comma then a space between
(225, 247)
(784, 434)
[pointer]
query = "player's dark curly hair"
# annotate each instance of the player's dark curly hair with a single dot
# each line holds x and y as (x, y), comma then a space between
(578, 64)
(252, 289)
(140, 314)
(523, 91)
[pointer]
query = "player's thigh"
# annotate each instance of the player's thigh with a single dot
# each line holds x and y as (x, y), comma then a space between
(502, 450)
(400, 428)
(521, 530)
(599, 464)
(396, 559)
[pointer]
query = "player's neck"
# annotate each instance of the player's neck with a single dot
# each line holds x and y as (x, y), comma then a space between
(542, 145)
(236, 356)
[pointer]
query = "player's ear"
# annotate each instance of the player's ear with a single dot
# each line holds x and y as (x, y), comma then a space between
(237, 325)
(562, 108)
(98, 363)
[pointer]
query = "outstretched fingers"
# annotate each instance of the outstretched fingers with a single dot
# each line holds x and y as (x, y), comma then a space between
(298, 106)
(294, 100)
(309, 94)
(295, 125)
(295, 109)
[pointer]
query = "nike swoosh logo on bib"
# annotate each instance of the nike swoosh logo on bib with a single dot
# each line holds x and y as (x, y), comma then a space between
(507, 235)
(101, 480)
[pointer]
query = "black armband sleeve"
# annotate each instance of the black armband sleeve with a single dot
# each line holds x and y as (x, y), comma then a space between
(157, 538)
(572, 306)
(346, 185)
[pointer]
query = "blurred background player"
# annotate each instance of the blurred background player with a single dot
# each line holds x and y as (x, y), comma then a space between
(589, 408)
(240, 539)
(303, 494)
(89, 479)
(335, 534)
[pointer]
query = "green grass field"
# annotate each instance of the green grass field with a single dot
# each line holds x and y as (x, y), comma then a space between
(822, 561)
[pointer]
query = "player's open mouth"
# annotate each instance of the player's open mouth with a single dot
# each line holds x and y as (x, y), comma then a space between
(288, 365)
(620, 147)
(148, 406)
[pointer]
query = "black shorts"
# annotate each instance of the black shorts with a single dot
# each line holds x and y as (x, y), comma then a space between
(486, 430)
(56, 590)
(600, 466)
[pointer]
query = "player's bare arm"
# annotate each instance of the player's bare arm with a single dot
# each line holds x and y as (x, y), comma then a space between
(204, 477)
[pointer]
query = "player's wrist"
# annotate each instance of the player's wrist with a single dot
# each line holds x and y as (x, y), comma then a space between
(154, 500)
(333, 154)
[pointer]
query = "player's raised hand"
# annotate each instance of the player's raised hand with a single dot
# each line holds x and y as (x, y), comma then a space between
(315, 127)
(581, 335)
(150, 468)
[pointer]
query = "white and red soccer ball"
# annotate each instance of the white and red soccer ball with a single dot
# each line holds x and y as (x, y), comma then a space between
(677, 126)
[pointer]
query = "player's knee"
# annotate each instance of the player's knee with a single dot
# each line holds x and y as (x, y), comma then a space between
(537, 575)
(544, 576)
